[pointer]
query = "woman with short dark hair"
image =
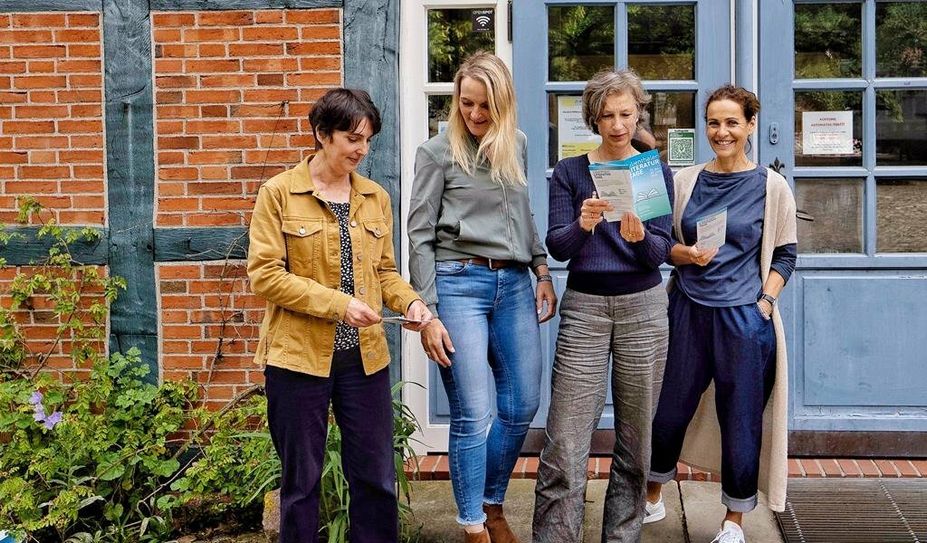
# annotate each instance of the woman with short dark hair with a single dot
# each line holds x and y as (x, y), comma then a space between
(321, 254)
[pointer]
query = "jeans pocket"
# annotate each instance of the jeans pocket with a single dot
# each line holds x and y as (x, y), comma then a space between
(761, 313)
(450, 267)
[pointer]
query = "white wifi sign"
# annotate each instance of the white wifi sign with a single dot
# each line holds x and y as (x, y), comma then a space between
(482, 19)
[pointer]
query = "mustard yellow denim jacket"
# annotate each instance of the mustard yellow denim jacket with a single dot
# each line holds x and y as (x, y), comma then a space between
(294, 262)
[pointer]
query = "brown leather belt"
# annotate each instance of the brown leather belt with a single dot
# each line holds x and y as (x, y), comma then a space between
(491, 263)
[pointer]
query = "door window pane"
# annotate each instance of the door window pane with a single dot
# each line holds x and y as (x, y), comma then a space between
(901, 127)
(451, 39)
(671, 110)
(836, 205)
(823, 146)
(581, 41)
(661, 41)
(901, 211)
(901, 39)
(438, 107)
(567, 129)
(827, 40)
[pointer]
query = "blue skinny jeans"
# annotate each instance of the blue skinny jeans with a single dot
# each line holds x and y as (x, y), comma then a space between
(493, 324)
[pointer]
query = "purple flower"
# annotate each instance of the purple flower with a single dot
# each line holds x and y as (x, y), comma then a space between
(36, 399)
(51, 420)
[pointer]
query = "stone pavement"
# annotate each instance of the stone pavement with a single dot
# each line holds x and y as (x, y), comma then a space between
(693, 513)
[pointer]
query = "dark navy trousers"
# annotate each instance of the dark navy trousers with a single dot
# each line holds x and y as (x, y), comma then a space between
(297, 411)
(736, 347)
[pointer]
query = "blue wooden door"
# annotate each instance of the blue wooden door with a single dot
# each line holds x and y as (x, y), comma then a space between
(844, 93)
(680, 48)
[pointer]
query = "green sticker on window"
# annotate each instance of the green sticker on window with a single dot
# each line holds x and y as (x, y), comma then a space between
(680, 146)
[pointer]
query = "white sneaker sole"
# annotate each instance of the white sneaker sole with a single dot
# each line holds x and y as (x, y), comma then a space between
(656, 514)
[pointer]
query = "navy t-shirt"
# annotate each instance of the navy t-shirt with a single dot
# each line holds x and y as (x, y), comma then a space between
(733, 276)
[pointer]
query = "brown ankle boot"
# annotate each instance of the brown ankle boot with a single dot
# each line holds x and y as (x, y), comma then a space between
(499, 531)
(478, 537)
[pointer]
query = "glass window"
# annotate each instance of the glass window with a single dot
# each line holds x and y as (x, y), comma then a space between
(581, 41)
(661, 41)
(670, 110)
(568, 134)
(831, 115)
(438, 107)
(901, 211)
(901, 39)
(901, 127)
(451, 39)
(836, 205)
(827, 40)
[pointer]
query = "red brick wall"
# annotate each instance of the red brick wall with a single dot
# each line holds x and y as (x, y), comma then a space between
(209, 327)
(233, 90)
(51, 117)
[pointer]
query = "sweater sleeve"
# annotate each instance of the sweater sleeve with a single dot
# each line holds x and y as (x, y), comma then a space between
(783, 260)
(654, 249)
(565, 237)
(424, 210)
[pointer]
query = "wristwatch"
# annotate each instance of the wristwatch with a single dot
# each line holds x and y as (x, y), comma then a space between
(768, 298)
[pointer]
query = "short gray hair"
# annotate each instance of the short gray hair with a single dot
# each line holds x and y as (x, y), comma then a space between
(609, 82)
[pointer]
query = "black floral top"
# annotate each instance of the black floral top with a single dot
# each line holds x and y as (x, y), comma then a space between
(346, 336)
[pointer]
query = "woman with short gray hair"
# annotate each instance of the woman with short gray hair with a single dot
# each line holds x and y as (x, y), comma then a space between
(614, 306)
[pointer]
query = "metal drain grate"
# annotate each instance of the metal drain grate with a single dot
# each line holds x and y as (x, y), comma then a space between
(855, 511)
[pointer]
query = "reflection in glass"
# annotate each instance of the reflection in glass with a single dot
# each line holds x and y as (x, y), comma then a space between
(671, 110)
(661, 41)
(451, 40)
(438, 107)
(901, 215)
(823, 101)
(836, 205)
(901, 127)
(827, 40)
(901, 39)
(581, 41)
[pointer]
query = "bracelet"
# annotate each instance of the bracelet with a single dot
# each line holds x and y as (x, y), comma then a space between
(770, 299)
(545, 278)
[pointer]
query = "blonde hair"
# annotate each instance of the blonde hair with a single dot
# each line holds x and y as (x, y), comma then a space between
(498, 147)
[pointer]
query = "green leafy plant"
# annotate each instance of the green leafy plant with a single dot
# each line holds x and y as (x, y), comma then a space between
(239, 463)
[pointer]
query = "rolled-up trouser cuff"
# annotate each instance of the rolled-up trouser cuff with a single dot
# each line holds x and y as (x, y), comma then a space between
(739, 505)
(488, 501)
(662, 478)
(471, 522)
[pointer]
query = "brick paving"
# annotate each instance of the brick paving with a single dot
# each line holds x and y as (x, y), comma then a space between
(435, 468)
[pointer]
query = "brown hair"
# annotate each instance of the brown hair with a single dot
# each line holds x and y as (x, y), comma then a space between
(609, 82)
(747, 100)
(343, 110)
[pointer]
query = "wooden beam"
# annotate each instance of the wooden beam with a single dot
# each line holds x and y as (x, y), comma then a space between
(199, 244)
(371, 62)
(130, 175)
(31, 249)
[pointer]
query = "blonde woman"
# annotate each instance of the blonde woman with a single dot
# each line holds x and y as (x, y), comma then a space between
(473, 243)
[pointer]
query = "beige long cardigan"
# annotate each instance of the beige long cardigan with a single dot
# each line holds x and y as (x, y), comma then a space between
(702, 445)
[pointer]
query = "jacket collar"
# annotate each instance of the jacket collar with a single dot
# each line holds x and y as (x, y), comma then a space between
(302, 180)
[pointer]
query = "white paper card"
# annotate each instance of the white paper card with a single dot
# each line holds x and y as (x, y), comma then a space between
(711, 230)
(614, 185)
(827, 132)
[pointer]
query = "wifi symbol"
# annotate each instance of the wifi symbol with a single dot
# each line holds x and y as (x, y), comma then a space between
(483, 20)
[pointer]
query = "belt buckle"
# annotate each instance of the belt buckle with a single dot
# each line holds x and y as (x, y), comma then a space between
(489, 262)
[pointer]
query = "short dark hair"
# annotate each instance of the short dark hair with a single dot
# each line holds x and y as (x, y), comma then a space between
(747, 100)
(342, 109)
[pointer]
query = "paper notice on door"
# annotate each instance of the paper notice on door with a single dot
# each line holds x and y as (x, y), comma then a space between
(827, 132)
(711, 230)
(573, 135)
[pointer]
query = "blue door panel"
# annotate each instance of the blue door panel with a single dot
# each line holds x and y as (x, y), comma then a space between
(862, 337)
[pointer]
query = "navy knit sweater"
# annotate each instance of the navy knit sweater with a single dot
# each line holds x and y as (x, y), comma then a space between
(602, 263)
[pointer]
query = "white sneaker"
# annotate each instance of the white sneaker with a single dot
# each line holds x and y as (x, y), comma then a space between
(654, 511)
(730, 532)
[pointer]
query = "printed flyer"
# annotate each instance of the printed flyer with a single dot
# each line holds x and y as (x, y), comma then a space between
(634, 184)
